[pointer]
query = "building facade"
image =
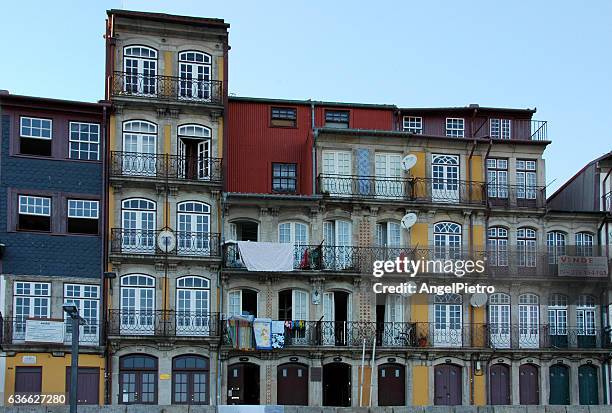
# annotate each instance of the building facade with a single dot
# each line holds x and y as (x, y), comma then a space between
(166, 83)
(52, 197)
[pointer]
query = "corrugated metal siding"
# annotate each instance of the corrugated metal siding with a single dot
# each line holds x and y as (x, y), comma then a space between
(253, 146)
(360, 118)
(578, 195)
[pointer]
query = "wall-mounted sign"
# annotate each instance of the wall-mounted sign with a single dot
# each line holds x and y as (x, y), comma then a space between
(316, 296)
(28, 359)
(575, 266)
(164, 376)
(44, 331)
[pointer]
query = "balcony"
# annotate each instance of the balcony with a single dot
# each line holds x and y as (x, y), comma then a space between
(167, 88)
(515, 196)
(14, 332)
(585, 262)
(162, 323)
(145, 242)
(519, 129)
(165, 167)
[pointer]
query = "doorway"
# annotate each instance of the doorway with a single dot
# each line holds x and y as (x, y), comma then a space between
(529, 384)
(447, 385)
(559, 384)
(336, 313)
(89, 385)
(337, 384)
(243, 384)
(391, 385)
(588, 385)
(292, 384)
(500, 384)
(28, 380)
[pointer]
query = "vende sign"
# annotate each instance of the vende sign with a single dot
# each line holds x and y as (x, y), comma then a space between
(44, 331)
(570, 266)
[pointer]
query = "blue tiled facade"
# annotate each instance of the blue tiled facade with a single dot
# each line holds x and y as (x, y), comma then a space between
(56, 253)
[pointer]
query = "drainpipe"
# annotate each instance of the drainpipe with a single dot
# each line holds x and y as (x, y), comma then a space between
(315, 133)
(469, 173)
(222, 199)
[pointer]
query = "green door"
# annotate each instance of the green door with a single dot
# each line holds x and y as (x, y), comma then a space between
(559, 384)
(587, 384)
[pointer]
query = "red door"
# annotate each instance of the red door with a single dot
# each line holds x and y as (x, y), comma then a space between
(391, 385)
(500, 384)
(529, 384)
(447, 385)
(28, 380)
(292, 384)
(89, 385)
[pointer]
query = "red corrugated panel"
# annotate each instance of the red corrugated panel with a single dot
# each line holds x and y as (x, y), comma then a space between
(360, 118)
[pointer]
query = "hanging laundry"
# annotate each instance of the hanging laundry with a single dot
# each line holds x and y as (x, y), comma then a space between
(278, 334)
(262, 329)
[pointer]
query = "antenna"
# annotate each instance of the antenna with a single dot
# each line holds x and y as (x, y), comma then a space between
(409, 220)
(408, 161)
(477, 300)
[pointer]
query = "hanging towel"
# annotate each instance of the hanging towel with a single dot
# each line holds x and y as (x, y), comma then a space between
(266, 256)
(262, 329)
(278, 334)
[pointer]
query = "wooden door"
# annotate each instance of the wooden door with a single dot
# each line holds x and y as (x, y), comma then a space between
(89, 385)
(559, 384)
(499, 376)
(243, 384)
(28, 380)
(529, 384)
(292, 384)
(447, 385)
(391, 385)
(587, 384)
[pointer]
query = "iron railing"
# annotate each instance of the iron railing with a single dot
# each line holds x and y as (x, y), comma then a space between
(162, 166)
(14, 332)
(179, 89)
(144, 242)
(607, 202)
(546, 336)
(518, 129)
(165, 323)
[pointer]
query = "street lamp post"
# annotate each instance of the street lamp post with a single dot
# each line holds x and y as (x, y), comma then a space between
(76, 321)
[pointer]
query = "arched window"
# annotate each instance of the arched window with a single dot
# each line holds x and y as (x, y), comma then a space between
(529, 321)
(499, 320)
(497, 243)
(585, 321)
(584, 244)
(555, 241)
(242, 302)
(293, 232)
(445, 178)
(447, 320)
(447, 240)
(138, 379)
(139, 157)
(195, 75)
(137, 304)
(388, 234)
(138, 216)
(190, 380)
(194, 152)
(193, 223)
(557, 319)
(193, 306)
(526, 245)
(140, 70)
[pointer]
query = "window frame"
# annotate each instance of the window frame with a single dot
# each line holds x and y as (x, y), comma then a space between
(282, 178)
(280, 119)
(69, 217)
(79, 141)
(293, 225)
(455, 131)
(335, 123)
(49, 140)
(49, 215)
(409, 122)
(138, 372)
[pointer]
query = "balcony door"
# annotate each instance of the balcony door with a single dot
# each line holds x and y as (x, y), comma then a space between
(529, 320)
(137, 304)
(195, 75)
(388, 176)
(194, 156)
(193, 306)
(337, 169)
(445, 178)
(193, 222)
(140, 67)
(138, 225)
(557, 320)
(139, 148)
(393, 333)
(293, 306)
(499, 320)
(447, 241)
(338, 254)
(335, 327)
(448, 319)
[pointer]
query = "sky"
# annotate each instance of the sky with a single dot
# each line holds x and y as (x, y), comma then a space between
(552, 55)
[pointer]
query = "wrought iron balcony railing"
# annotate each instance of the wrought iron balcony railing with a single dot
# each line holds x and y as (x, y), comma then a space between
(179, 89)
(14, 332)
(162, 166)
(145, 242)
(162, 323)
(516, 129)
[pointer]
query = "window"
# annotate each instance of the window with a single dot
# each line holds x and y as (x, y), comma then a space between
(31, 300)
(555, 241)
(138, 379)
(242, 302)
(388, 234)
(501, 128)
(293, 232)
(190, 378)
(139, 148)
(35, 136)
(497, 243)
(447, 324)
(585, 316)
(447, 240)
(445, 178)
(83, 216)
(557, 316)
(284, 177)
(526, 245)
(194, 155)
(413, 124)
(286, 117)
(137, 304)
(193, 220)
(139, 219)
(87, 300)
(337, 119)
(455, 127)
(193, 306)
(529, 321)
(34, 213)
(499, 320)
(140, 67)
(84, 141)
(584, 244)
(195, 75)
(497, 178)
(526, 179)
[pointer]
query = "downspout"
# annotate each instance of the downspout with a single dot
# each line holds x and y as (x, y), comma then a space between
(315, 133)
(105, 239)
(222, 199)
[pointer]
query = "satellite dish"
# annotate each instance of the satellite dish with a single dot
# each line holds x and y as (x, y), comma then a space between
(478, 300)
(413, 287)
(409, 161)
(409, 220)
